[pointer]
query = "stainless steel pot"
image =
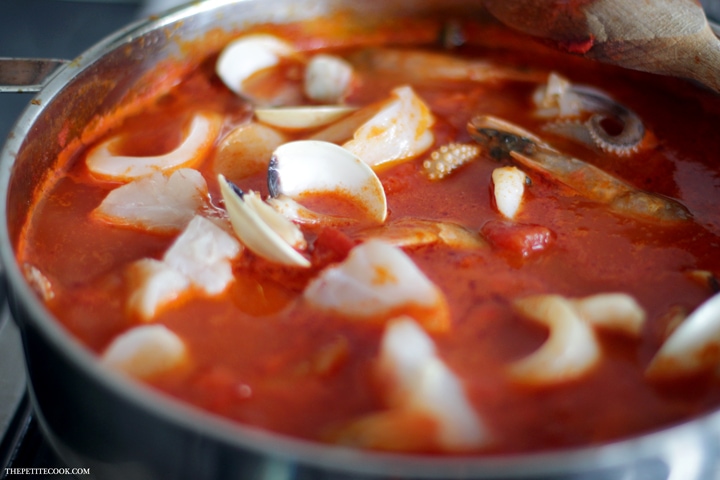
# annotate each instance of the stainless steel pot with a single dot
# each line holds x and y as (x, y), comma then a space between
(122, 430)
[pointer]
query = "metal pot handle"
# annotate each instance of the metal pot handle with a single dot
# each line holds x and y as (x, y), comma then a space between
(23, 75)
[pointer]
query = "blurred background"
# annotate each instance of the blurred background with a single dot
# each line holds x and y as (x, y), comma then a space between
(712, 8)
(60, 29)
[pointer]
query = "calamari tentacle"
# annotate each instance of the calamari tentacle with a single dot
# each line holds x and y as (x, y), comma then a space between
(447, 158)
(571, 349)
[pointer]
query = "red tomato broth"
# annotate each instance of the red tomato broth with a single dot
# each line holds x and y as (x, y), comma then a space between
(262, 357)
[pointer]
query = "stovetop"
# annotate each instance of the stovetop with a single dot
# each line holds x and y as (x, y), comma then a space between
(55, 29)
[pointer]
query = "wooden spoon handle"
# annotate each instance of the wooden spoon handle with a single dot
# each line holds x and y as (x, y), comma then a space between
(668, 37)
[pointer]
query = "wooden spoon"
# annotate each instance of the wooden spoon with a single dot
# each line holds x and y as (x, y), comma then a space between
(668, 37)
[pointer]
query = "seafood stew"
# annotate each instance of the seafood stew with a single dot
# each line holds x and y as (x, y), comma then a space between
(398, 245)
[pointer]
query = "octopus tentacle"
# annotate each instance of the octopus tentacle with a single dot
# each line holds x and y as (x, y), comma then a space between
(590, 116)
(628, 140)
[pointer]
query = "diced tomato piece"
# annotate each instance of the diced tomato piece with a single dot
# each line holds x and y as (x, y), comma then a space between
(331, 246)
(522, 239)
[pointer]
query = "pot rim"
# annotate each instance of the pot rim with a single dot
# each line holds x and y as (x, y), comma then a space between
(668, 444)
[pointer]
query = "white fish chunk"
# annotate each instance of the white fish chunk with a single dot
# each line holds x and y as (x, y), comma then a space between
(378, 279)
(419, 380)
(145, 351)
(508, 189)
(198, 259)
(202, 253)
(162, 203)
(400, 130)
(154, 283)
(104, 163)
(694, 346)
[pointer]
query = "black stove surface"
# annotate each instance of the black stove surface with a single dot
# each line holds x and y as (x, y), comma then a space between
(54, 29)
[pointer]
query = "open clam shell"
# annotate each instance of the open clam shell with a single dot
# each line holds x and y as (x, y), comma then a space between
(243, 60)
(261, 229)
(246, 150)
(248, 55)
(314, 168)
(302, 117)
(693, 346)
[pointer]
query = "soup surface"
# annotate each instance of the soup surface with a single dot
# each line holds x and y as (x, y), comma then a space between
(524, 296)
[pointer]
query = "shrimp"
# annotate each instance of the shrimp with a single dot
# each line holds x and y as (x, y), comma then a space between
(505, 140)
(407, 65)
(415, 232)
